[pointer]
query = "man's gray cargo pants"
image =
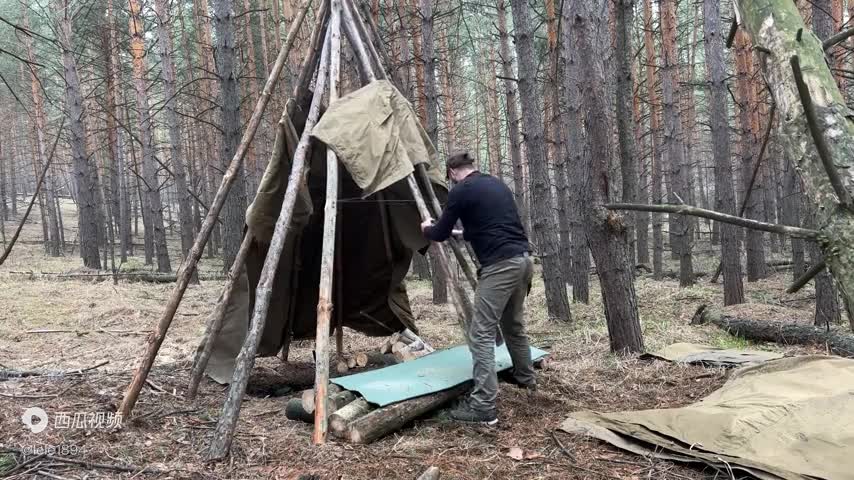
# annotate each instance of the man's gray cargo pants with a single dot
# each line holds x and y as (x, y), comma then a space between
(499, 302)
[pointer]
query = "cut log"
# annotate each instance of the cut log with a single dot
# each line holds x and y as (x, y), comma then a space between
(295, 411)
(307, 397)
(341, 367)
(387, 419)
(361, 359)
(351, 362)
(380, 359)
(398, 346)
(340, 420)
(786, 333)
(431, 473)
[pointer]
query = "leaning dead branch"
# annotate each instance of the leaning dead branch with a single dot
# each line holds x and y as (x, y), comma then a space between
(720, 217)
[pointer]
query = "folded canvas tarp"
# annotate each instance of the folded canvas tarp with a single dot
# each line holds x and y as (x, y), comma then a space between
(791, 418)
(377, 136)
(709, 355)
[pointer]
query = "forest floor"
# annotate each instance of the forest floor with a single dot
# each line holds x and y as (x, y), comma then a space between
(59, 324)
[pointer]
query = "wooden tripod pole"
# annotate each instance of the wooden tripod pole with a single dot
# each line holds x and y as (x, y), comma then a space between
(460, 300)
(327, 259)
(185, 273)
(224, 432)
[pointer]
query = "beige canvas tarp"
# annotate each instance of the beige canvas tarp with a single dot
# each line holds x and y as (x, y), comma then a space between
(373, 255)
(791, 418)
(709, 355)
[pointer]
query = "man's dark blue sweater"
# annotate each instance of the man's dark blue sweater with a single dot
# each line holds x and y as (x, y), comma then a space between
(490, 219)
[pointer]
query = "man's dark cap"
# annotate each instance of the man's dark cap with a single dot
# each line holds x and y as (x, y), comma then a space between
(460, 159)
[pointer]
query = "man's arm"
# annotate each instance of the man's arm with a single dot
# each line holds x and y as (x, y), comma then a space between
(442, 230)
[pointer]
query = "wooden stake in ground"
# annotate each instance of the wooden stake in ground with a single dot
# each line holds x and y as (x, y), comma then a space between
(246, 359)
(185, 274)
(327, 259)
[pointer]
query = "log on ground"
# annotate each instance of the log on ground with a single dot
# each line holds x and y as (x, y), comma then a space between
(390, 418)
(787, 333)
(340, 420)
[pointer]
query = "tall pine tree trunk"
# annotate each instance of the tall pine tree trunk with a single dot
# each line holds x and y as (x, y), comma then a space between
(673, 136)
(166, 44)
(515, 144)
(624, 15)
(577, 161)
(545, 227)
(719, 122)
(655, 132)
(85, 174)
(229, 102)
(606, 231)
(153, 203)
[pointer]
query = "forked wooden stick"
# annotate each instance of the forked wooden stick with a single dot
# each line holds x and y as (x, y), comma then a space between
(185, 273)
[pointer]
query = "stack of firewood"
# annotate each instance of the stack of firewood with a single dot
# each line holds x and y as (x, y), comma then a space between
(399, 347)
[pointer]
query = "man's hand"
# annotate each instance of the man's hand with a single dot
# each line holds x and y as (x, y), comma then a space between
(427, 224)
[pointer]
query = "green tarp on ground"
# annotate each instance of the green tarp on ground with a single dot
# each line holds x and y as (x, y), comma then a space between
(709, 355)
(431, 373)
(791, 418)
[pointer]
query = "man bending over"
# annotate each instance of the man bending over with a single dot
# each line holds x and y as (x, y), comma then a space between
(485, 206)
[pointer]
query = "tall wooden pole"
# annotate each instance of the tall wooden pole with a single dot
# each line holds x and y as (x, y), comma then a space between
(186, 271)
(224, 432)
(327, 260)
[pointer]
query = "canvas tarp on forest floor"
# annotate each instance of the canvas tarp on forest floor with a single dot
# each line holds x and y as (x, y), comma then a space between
(709, 355)
(791, 418)
(378, 137)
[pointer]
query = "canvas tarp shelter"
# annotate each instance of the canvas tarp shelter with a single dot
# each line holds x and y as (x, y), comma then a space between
(791, 418)
(377, 136)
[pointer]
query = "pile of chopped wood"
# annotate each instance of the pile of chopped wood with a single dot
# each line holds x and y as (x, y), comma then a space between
(399, 347)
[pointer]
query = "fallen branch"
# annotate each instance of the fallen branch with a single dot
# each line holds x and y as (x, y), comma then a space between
(786, 333)
(796, 232)
(6, 374)
(807, 276)
(838, 38)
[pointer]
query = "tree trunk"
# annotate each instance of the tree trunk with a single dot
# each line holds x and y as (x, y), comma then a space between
(545, 227)
(153, 204)
(624, 16)
(655, 129)
(85, 174)
(229, 101)
(786, 333)
(642, 222)
(673, 136)
(718, 119)
(515, 144)
(555, 128)
(493, 116)
(606, 231)
(578, 161)
(166, 44)
(252, 169)
(792, 215)
(431, 102)
(788, 38)
(748, 145)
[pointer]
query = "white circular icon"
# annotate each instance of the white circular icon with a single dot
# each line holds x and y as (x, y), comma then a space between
(35, 418)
